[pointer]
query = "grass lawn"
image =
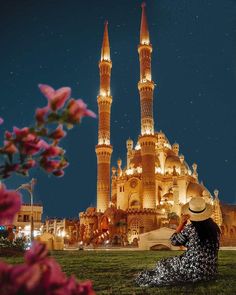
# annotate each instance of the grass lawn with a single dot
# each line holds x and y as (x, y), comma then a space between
(112, 272)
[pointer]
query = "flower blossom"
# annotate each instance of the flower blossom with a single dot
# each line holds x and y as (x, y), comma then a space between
(9, 147)
(49, 165)
(38, 252)
(32, 147)
(39, 274)
(29, 164)
(10, 202)
(52, 151)
(58, 133)
(59, 173)
(56, 98)
(21, 133)
(40, 114)
(77, 109)
(1, 121)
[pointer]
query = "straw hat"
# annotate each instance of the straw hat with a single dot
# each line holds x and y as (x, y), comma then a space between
(198, 209)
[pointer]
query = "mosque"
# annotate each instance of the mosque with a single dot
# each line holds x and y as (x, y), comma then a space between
(147, 191)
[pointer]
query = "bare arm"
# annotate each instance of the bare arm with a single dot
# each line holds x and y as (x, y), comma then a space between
(180, 237)
(183, 221)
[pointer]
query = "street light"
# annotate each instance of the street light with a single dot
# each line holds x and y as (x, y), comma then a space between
(30, 187)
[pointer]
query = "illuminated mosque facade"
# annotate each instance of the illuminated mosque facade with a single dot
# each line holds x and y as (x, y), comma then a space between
(147, 191)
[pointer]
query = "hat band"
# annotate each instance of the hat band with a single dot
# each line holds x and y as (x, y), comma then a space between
(193, 211)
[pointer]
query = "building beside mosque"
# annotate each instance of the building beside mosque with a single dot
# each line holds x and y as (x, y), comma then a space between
(146, 191)
(22, 222)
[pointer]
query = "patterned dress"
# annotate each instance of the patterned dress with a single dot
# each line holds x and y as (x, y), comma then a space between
(198, 262)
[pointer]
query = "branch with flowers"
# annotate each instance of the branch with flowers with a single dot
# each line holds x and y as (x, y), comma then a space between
(23, 150)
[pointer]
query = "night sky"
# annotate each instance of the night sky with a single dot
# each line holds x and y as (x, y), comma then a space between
(194, 67)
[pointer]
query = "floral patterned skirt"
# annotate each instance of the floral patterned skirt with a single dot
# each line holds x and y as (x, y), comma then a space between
(171, 271)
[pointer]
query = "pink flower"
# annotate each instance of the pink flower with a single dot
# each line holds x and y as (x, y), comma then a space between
(10, 202)
(54, 277)
(56, 98)
(1, 121)
(72, 287)
(9, 147)
(39, 274)
(63, 164)
(32, 147)
(77, 109)
(47, 91)
(52, 151)
(85, 288)
(21, 133)
(25, 278)
(37, 253)
(29, 164)
(40, 114)
(8, 169)
(8, 135)
(49, 165)
(58, 133)
(58, 173)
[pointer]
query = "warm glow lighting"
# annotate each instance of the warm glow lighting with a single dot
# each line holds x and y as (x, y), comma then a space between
(167, 145)
(158, 170)
(147, 131)
(61, 233)
(145, 42)
(178, 170)
(130, 171)
(104, 93)
(104, 141)
(139, 169)
(105, 57)
(137, 147)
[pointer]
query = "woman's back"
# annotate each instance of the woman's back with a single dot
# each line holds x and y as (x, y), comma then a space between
(201, 239)
(199, 262)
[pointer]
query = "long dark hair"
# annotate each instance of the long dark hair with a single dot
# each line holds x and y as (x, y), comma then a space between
(207, 230)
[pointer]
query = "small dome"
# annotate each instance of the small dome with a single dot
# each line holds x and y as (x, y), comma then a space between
(195, 190)
(172, 161)
(90, 210)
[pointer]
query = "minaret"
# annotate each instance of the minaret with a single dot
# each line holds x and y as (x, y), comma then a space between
(103, 148)
(145, 85)
(147, 139)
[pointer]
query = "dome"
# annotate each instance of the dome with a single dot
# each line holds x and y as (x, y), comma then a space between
(195, 190)
(172, 161)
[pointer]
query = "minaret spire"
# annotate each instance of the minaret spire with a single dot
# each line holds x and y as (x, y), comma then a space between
(147, 140)
(144, 33)
(105, 52)
(104, 148)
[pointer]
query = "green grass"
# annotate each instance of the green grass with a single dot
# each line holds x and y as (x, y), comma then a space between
(113, 272)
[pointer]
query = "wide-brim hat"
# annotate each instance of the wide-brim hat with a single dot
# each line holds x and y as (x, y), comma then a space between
(198, 209)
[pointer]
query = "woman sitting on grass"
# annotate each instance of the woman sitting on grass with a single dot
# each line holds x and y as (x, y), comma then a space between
(201, 238)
